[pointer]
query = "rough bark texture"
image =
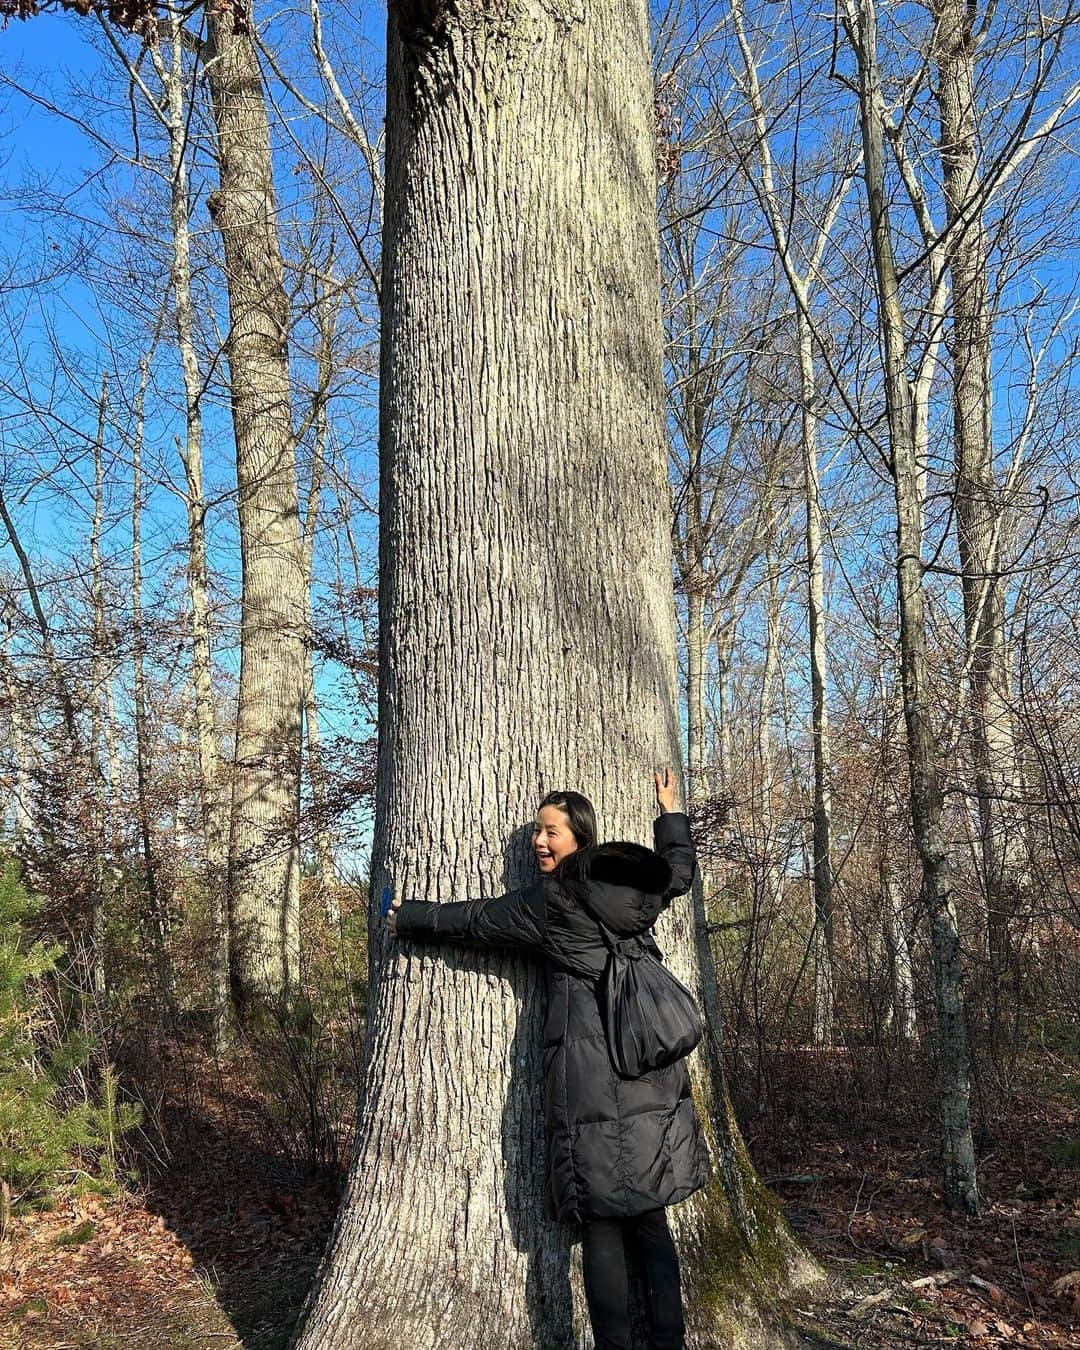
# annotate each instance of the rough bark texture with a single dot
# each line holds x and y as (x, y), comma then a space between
(526, 642)
(954, 1088)
(263, 845)
(978, 502)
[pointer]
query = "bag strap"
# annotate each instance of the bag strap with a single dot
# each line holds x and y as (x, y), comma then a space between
(611, 942)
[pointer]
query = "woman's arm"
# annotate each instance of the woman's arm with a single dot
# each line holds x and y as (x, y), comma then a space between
(671, 836)
(516, 919)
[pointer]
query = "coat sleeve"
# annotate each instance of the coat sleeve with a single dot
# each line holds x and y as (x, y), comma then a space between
(671, 839)
(516, 919)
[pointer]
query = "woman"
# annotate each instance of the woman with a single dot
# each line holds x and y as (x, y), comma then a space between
(619, 1150)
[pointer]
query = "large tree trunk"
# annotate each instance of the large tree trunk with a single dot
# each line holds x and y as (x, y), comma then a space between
(526, 642)
(978, 502)
(958, 1154)
(263, 847)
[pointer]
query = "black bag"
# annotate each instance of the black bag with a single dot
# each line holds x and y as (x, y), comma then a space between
(650, 1018)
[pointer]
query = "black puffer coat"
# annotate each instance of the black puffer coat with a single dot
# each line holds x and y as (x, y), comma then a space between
(616, 1146)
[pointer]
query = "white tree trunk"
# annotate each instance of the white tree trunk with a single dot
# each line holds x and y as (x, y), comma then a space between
(898, 949)
(526, 642)
(22, 817)
(212, 801)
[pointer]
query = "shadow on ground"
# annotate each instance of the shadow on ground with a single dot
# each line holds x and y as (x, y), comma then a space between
(254, 1224)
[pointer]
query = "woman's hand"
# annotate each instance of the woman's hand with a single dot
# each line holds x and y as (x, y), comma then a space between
(391, 916)
(665, 789)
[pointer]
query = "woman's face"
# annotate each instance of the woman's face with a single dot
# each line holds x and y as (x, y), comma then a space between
(552, 838)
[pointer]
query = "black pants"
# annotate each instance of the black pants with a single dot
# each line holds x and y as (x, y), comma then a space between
(603, 1256)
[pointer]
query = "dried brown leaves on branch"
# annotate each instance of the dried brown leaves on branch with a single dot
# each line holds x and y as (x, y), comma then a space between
(135, 16)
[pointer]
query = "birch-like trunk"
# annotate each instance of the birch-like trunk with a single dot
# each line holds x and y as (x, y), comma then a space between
(801, 284)
(22, 817)
(977, 500)
(958, 1155)
(898, 949)
(527, 642)
(264, 863)
(901, 1012)
(212, 799)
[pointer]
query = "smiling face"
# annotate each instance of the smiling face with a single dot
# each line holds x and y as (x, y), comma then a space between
(553, 839)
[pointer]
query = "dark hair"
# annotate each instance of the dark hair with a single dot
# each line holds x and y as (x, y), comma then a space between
(579, 811)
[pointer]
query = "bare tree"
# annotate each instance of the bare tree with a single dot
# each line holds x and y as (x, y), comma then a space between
(264, 844)
(803, 281)
(523, 484)
(960, 1186)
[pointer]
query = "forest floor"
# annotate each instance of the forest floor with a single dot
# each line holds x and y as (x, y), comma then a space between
(219, 1249)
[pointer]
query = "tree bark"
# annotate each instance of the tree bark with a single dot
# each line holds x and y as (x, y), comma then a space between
(264, 844)
(954, 1087)
(99, 675)
(212, 802)
(801, 284)
(22, 817)
(824, 961)
(526, 642)
(977, 500)
(158, 918)
(898, 950)
(901, 1010)
(768, 827)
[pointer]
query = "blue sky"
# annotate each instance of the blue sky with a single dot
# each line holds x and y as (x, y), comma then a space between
(45, 459)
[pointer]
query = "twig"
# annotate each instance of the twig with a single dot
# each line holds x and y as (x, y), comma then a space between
(1020, 1271)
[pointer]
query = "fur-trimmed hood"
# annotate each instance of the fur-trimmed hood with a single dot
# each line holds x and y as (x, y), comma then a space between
(625, 883)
